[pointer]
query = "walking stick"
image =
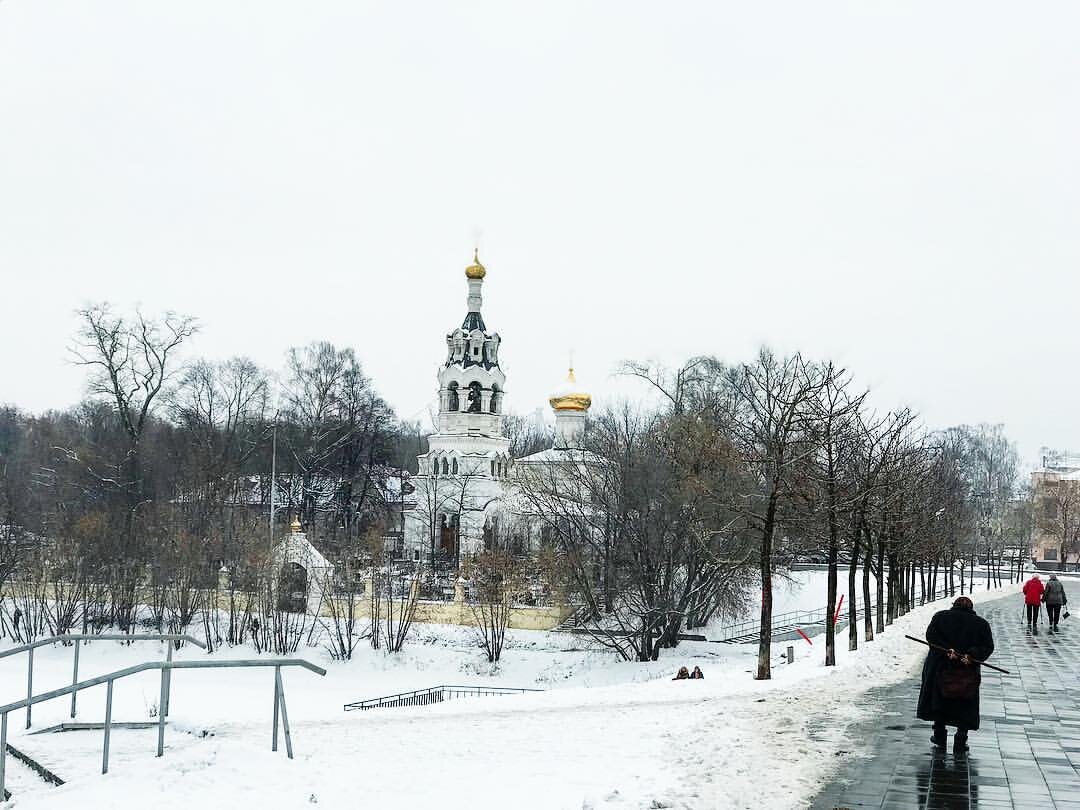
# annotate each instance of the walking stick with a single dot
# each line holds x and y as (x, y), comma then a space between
(946, 649)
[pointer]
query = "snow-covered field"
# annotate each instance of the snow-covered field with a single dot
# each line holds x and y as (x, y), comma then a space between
(605, 734)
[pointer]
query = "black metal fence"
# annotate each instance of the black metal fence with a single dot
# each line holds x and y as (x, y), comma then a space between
(434, 694)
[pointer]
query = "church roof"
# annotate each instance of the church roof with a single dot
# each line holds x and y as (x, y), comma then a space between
(473, 321)
(561, 455)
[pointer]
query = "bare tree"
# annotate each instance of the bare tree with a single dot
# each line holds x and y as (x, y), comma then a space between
(836, 412)
(399, 606)
(131, 360)
(342, 597)
(774, 431)
(496, 577)
(527, 434)
(645, 521)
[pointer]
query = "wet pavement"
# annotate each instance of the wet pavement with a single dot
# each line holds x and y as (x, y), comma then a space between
(1025, 756)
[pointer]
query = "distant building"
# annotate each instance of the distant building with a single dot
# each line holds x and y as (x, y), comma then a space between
(302, 572)
(1055, 488)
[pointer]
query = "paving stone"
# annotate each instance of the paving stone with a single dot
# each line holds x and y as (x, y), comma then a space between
(1026, 755)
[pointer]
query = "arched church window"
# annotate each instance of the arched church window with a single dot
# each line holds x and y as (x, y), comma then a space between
(494, 406)
(493, 468)
(453, 403)
(474, 397)
(453, 467)
(445, 467)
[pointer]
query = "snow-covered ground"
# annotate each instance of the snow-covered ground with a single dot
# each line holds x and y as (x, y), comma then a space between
(605, 734)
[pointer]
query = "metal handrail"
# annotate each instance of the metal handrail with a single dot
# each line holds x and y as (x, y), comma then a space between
(80, 637)
(41, 642)
(387, 700)
(166, 668)
(802, 617)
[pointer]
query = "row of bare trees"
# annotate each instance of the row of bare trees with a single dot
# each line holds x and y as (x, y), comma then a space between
(148, 502)
(677, 513)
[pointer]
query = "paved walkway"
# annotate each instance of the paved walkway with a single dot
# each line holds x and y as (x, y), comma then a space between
(1026, 755)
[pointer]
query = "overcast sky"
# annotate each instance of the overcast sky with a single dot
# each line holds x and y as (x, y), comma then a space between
(893, 185)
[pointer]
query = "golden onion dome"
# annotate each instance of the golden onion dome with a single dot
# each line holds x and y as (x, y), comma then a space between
(569, 397)
(475, 270)
(295, 527)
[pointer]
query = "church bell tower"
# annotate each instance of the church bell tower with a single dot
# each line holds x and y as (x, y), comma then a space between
(472, 390)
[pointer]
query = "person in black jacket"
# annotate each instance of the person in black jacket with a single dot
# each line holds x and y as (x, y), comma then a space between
(950, 680)
(1054, 598)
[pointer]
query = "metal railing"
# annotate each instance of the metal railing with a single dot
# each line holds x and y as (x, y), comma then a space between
(78, 638)
(433, 694)
(780, 620)
(281, 715)
(805, 618)
(578, 617)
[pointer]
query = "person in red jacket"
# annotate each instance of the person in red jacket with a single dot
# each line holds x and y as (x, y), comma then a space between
(1033, 591)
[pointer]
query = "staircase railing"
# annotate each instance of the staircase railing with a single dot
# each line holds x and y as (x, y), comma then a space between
(78, 638)
(433, 694)
(166, 667)
(802, 618)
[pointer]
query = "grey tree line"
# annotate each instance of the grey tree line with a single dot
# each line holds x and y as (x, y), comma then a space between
(148, 502)
(677, 513)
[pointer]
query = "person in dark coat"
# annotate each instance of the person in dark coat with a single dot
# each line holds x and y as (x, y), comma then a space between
(1033, 591)
(697, 674)
(683, 675)
(950, 679)
(1054, 597)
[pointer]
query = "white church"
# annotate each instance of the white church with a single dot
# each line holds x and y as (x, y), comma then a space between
(465, 481)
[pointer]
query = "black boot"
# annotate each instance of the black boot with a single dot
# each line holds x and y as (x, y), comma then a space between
(941, 737)
(960, 745)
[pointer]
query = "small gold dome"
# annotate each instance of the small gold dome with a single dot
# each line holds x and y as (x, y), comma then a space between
(475, 270)
(567, 398)
(295, 527)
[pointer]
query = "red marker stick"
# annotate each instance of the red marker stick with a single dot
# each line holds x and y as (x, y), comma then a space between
(836, 618)
(801, 633)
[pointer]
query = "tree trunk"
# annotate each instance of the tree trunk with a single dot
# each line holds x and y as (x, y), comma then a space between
(950, 575)
(830, 625)
(853, 609)
(879, 609)
(893, 589)
(868, 609)
(764, 663)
